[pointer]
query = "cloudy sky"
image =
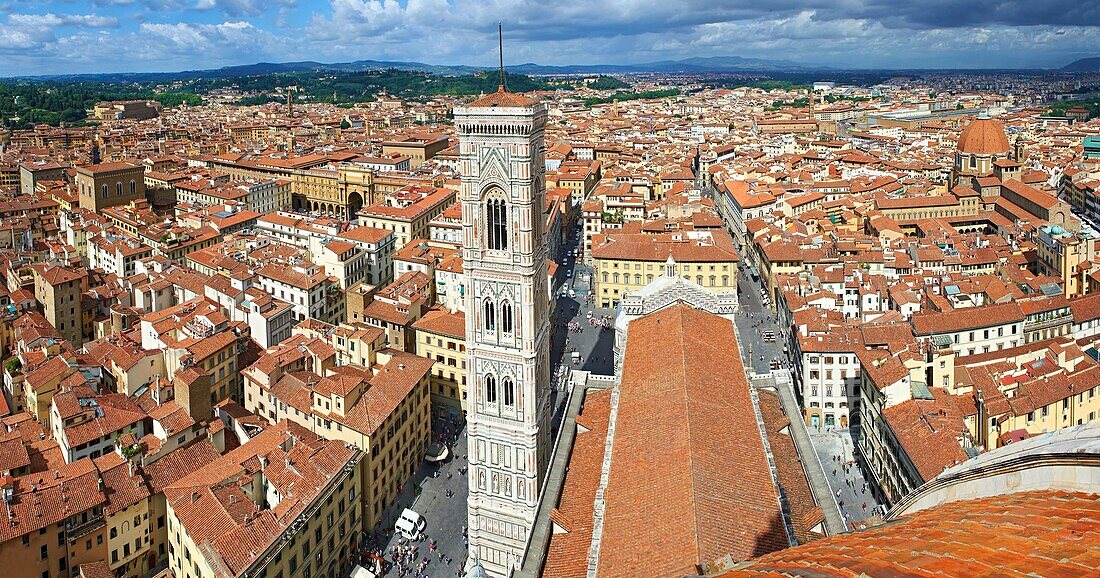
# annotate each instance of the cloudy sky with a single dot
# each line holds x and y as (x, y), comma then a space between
(69, 36)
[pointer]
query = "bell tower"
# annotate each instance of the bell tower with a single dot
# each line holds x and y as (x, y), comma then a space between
(503, 195)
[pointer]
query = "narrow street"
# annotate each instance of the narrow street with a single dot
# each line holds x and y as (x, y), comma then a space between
(438, 493)
(855, 497)
(579, 325)
(753, 321)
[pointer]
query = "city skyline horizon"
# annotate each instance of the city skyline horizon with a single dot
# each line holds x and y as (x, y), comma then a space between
(627, 68)
(57, 37)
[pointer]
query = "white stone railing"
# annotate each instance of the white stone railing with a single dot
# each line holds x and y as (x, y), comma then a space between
(600, 501)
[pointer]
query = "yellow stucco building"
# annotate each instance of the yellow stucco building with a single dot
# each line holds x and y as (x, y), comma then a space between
(626, 262)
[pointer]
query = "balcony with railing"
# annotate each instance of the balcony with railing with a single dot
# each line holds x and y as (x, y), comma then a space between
(198, 329)
(1047, 320)
(84, 523)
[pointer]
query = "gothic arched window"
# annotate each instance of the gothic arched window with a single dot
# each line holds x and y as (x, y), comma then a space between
(490, 316)
(490, 388)
(509, 392)
(506, 317)
(496, 224)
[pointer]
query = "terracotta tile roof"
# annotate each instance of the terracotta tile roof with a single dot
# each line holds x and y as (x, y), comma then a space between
(389, 386)
(443, 322)
(688, 410)
(105, 168)
(171, 417)
(290, 276)
(100, 569)
(109, 413)
(502, 98)
(213, 509)
(13, 454)
(122, 486)
(1085, 308)
(705, 247)
(179, 463)
(567, 556)
(56, 274)
(1022, 534)
(202, 348)
(965, 319)
(1040, 198)
(881, 367)
(928, 431)
(388, 312)
(984, 136)
(45, 455)
(42, 499)
(365, 234)
(409, 203)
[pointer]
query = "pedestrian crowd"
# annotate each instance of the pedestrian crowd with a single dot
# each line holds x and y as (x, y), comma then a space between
(416, 557)
(845, 468)
(601, 321)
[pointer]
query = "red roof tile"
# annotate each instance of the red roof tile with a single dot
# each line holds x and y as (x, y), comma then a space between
(1023, 534)
(689, 479)
(502, 98)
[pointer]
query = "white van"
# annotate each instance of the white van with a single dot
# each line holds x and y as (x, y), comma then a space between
(410, 524)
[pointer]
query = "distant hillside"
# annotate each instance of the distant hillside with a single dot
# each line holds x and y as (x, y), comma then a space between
(53, 101)
(688, 65)
(718, 64)
(1083, 65)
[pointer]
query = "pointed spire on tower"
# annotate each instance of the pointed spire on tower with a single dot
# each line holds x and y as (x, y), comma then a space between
(502, 97)
(500, 51)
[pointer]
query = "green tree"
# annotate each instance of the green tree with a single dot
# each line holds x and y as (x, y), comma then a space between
(604, 82)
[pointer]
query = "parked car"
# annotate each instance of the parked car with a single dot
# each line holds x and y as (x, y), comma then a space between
(410, 524)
